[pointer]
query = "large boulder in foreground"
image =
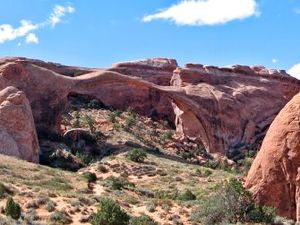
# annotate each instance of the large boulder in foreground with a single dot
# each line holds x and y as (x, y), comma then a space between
(274, 177)
(17, 130)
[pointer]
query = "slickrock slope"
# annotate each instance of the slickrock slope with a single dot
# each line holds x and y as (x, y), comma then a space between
(17, 130)
(274, 177)
(225, 109)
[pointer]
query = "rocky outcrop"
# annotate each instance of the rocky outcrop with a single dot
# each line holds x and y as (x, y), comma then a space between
(45, 89)
(158, 70)
(224, 109)
(17, 130)
(274, 177)
(229, 109)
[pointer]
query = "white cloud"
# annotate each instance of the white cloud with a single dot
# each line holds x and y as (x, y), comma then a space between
(10, 33)
(59, 12)
(295, 71)
(274, 61)
(32, 38)
(206, 12)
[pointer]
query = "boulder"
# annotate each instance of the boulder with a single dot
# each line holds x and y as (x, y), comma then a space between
(17, 130)
(274, 177)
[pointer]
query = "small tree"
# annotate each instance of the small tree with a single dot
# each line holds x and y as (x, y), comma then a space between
(110, 213)
(12, 209)
(137, 155)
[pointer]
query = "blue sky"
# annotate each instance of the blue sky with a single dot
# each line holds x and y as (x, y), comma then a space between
(98, 33)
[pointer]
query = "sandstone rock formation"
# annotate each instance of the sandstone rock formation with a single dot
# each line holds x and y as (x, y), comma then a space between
(224, 109)
(274, 177)
(158, 70)
(229, 109)
(17, 130)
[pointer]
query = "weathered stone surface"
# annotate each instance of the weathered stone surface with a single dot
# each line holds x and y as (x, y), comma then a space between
(46, 90)
(17, 130)
(225, 109)
(158, 70)
(274, 177)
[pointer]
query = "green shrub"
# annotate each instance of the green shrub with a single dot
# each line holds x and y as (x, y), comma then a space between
(94, 104)
(187, 196)
(90, 122)
(137, 155)
(142, 220)
(129, 122)
(77, 122)
(4, 191)
(166, 195)
(60, 217)
(102, 169)
(84, 158)
(229, 204)
(118, 183)
(12, 209)
(90, 177)
(167, 135)
(110, 213)
(261, 214)
(207, 173)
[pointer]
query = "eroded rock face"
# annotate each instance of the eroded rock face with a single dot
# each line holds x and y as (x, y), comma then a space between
(274, 177)
(224, 109)
(230, 109)
(17, 130)
(158, 70)
(46, 90)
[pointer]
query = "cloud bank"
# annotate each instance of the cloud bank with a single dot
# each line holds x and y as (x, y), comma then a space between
(206, 12)
(26, 27)
(295, 71)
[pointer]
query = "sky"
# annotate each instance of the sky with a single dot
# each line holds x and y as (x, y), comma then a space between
(99, 33)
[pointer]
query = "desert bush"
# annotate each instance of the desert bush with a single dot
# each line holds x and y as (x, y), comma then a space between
(167, 135)
(12, 209)
(59, 217)
(90, 123)
(117, 183)
(90, 177)
(259, 214)
(94, 104)
(137, 155)
(187, 196)
(4, 190)
(102, 169)
(50, 206)
(77, 122)
(150, 207)
(231, 203)
(142, 220)
(110, 213)
(84, 157)
(167, 195)
(129, 123)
